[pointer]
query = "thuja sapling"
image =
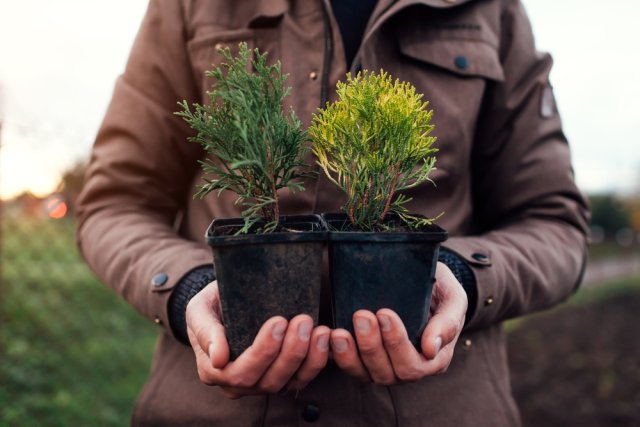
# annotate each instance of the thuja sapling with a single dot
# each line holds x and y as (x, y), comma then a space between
(266, 264)
(373, 143)
(260, 149)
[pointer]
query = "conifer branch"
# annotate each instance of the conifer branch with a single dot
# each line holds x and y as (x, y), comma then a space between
(255, 148)
(374, 143)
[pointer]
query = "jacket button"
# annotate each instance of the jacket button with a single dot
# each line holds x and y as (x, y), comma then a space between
(467, 343)
(157, 320)
(480, 257)
(159, 279)
(461, 62)
(488, 301)
(313, 75)
(311, 413)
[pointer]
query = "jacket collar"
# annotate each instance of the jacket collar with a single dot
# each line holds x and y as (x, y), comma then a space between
(268, 12)
(387, 8)
(384, 5)
(442, 4)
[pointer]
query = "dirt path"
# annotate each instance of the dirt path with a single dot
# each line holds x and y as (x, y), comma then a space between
(579, 366)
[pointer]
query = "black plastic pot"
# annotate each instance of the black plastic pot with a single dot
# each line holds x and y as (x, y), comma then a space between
(265, 275)
(390, 269)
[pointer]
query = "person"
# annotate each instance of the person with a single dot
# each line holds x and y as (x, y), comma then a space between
(517, 222)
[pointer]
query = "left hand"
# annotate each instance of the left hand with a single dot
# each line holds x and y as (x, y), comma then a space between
(382, 351)
(284, 355)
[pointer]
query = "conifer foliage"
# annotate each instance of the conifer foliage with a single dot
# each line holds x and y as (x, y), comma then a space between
(373, 143)
(257, 149)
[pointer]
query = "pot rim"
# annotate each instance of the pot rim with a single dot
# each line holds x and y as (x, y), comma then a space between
(433, 234)
(318, 235)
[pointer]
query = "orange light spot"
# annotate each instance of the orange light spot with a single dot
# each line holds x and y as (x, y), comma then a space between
(56, 208)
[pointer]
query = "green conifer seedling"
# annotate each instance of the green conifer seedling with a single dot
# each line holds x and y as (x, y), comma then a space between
(257, 149)
(373, 143)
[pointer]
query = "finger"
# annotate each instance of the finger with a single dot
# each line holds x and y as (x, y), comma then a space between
(251, 365)
(293, 353)
(441, 330)
(204, 327)
(371, 349)
(410, 365)
(447, 320)
(440, 363)
(407, 363)
(234, 393)
(448, 293)
(316, 360)
(345, 354)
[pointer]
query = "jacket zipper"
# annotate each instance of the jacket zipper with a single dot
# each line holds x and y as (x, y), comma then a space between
(324, 82)
(328, 54)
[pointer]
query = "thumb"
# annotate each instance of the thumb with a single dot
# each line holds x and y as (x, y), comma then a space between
(204, 325)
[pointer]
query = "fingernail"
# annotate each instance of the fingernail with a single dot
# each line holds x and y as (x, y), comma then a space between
(278, 330)
(363, 325)
(437, 343)
(385, 322)
(323, 343)
(340, 345)
(304, 331)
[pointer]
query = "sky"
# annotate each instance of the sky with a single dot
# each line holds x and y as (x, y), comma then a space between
(58, 67)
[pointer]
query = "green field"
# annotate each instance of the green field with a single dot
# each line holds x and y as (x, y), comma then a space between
(72, 353)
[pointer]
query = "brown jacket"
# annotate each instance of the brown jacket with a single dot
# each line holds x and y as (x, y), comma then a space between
(504, 181)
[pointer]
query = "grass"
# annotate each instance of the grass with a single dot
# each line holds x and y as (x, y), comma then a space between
(71, 352)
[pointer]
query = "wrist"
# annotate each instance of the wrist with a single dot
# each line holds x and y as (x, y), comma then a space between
(188, 287)
(464, 275)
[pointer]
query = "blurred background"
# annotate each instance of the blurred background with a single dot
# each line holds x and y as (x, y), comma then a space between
(73, 353)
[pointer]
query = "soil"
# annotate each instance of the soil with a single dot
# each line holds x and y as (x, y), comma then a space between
(391, 224)
(287, 224)
(579, 365)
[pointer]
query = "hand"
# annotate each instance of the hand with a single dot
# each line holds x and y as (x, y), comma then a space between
(382, 352)
(283, 355)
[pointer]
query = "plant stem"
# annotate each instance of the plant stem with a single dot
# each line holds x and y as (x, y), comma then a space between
(274, 210)
(365, 199)
(392, 191)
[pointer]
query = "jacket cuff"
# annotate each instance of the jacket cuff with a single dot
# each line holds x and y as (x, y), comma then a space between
(163, 277)
(188, 286)
(463, 273)
(478, 259)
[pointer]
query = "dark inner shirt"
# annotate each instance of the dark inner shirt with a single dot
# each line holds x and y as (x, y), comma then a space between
(352, 17)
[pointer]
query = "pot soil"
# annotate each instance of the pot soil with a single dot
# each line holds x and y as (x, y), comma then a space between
(389, 269)
(265, 275)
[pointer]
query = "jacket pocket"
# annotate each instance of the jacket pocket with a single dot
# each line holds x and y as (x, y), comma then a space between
(453, 74)
(204, 55)
(467, 58)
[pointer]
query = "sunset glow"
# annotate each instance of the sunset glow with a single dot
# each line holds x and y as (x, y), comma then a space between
(50, 111)
(56, 207)
(52, 102)
(24, 169)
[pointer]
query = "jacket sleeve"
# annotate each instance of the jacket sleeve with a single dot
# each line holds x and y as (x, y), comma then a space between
(141, 171)
(530, 249)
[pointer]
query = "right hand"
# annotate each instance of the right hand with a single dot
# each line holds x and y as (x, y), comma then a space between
(382, 352)
(284, 355)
